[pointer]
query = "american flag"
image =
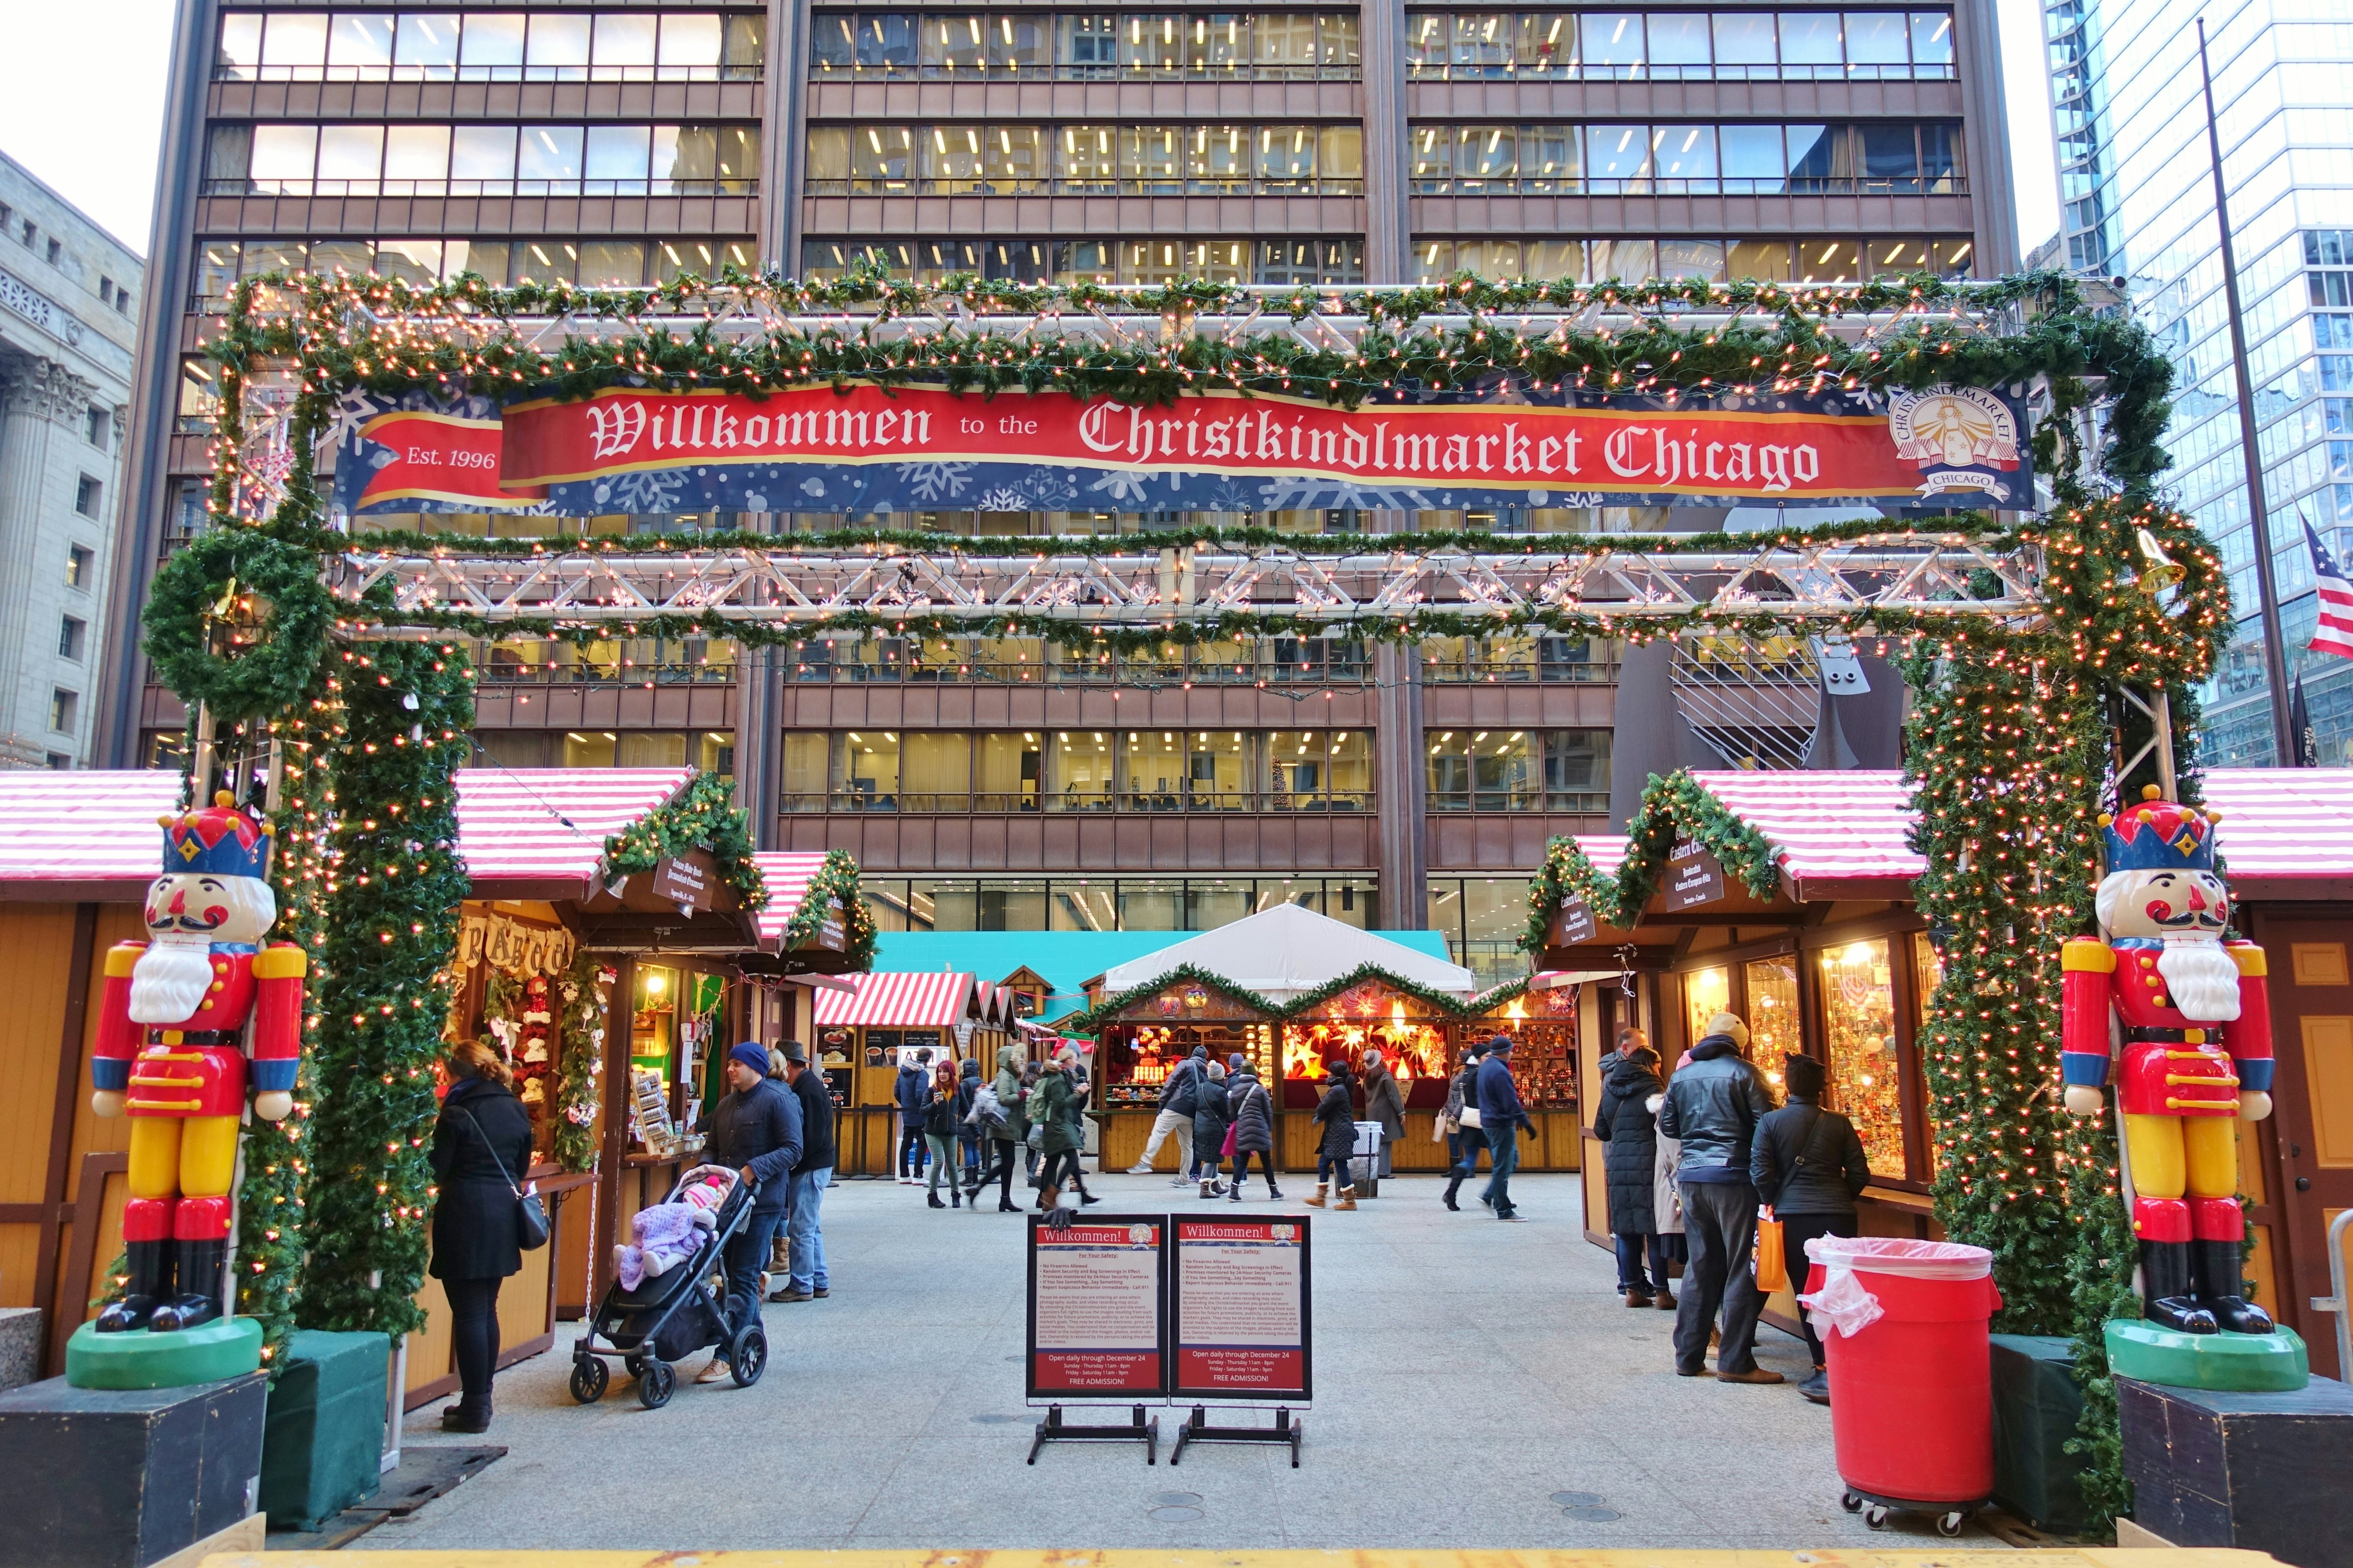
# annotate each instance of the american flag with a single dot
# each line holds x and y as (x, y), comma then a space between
(2334, 634)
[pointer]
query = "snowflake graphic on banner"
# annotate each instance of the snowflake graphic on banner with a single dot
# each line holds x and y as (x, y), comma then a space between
(641, 492)
(1124, 484)
(1001, 499)
(936, 481)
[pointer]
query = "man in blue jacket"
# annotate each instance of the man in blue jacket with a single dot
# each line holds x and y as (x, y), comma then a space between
(1714, 1104)
(756, 1128)
(1501, 1116)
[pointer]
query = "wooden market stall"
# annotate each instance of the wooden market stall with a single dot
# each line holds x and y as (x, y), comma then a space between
(863, 1033)
(1141, 1035)
(1830, 960)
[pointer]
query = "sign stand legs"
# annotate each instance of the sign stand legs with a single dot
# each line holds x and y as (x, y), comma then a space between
(1197, 1429)
(1054, 1429)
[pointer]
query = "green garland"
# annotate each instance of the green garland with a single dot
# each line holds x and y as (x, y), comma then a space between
(580, 1060)
(392, 924)
(703, 815)
(1299, 1007)
(835, 880)
(1673, 808)
(239, 619)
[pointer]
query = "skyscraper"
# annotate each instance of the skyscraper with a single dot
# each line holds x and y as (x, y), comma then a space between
(1003, 786)
(2137, 186)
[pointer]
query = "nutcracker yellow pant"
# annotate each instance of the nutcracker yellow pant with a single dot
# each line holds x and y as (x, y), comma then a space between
(2179, 1156)
(182, 1156)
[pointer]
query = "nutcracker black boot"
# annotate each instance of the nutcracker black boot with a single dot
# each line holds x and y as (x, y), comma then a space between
(2166, 1289)
(198, 1297)
(2216, 1264)
(150, 1268)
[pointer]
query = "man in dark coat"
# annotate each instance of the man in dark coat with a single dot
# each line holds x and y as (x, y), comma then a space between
(756, 1128)
(1337, 1113)
(805, 1193)
(913, 1092)
(1179, 1098)
(1211, 1114)
(1624, 1121)
(1502, 1114)
(1713, 1105)
(1809, 1167)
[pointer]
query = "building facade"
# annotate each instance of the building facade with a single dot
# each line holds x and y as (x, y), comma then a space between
(68, 294)
(999, 785)
(2137, 185)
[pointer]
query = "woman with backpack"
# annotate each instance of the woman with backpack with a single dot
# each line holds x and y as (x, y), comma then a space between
(1807, 1167)
(1251, 1112)
(1337, 1113)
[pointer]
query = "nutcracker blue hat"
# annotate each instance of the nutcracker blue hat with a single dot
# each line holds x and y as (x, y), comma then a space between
(2155, 834)
(216, 840)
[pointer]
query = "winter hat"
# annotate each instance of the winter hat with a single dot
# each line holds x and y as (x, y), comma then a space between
(1729, 1024)
(1804, 1075)
(753, 1055)
(1500, 1046)
(794, 1051)
(1201, 1053)
(971, 1068)
(1235, 1062)
(1338, 1073)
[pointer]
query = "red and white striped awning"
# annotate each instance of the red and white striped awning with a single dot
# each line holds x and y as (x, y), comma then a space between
(1834, 834)
(1605, 853)
(936, 1000)
(2287, 833)
(787, 877)
(540, 833)
(77, 836)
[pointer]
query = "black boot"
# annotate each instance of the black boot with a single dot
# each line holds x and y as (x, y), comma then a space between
(198, 1297)
(2216, 1265)
(151, 1281)
(2166, 1289)
(1453, 1188)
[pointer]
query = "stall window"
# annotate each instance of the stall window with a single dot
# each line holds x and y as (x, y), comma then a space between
(1706, 993)
(1774, 1030)
(1859, 1031)
(1928, 972)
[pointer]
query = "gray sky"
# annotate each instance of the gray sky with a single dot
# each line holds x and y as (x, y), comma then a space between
(85, 104)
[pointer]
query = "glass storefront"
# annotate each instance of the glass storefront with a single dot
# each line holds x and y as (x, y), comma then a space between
(1774, 1028)
(1859, 1036)
(1706, 993)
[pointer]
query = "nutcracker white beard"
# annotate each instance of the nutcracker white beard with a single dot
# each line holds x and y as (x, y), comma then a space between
(2200, 976)
(168, 982)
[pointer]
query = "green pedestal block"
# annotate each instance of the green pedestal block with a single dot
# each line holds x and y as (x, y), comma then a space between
(321, 1451)
(2036, 1405)
(2224, 1362)
(230, 1347)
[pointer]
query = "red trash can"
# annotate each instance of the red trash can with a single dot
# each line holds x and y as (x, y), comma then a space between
(1904, 1326)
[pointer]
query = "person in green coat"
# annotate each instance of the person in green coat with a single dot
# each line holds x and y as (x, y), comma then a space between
(1054, 1105)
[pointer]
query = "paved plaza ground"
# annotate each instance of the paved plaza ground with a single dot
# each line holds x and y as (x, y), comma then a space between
(1465, 1370)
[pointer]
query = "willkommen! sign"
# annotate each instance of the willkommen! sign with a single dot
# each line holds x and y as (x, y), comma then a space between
(913, 448)
(1239, 1320)
(1096, 1305)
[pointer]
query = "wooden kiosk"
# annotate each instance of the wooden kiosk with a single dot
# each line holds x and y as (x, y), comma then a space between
(863, 1031)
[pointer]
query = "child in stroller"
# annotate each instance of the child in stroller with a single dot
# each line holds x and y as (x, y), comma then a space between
(669, 1298)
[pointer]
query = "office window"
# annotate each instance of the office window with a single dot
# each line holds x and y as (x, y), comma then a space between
(86, 494)
(56, 252)
(63, 707)
(483, 159)
(950, 160)
(81, 563)
(27, 233)
(69, 637)
(56, 761)
(98, 427)
(488, 46)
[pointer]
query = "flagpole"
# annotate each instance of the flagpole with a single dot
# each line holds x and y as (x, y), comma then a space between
(2266, 590)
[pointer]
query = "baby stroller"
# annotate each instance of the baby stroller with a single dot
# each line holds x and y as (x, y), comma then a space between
(672, 1314)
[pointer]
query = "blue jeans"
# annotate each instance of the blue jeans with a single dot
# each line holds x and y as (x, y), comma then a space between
(746, 1255)
(1503, 1143)
(803, 1231)
(1630, 1262)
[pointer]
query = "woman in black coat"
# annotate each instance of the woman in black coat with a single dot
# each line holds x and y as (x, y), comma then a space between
(1624, 1119)
(1211, 1116)
(482, 1139)
(1337, 1111)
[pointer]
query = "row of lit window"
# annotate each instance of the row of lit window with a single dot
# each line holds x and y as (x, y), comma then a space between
(490, 45)
(1079, 771)
(614, 263)
(1685, 46)
(1088, 47)
(1878, 157)
(1815, 259)
(1275, 261)
(482, 160)
(1002, 160)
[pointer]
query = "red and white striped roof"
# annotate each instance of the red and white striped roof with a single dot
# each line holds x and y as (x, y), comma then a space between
(1829, 830)
(786, 876)
(2285, 831)
(82, 835)
(934, 1000)
(1604, 853)
(541, 833)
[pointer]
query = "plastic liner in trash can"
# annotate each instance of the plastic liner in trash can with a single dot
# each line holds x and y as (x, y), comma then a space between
(1905, 1325)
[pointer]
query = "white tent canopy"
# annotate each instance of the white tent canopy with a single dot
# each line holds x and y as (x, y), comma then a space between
(1286, 951)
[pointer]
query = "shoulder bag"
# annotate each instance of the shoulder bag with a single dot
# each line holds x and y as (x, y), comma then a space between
(530, 1219)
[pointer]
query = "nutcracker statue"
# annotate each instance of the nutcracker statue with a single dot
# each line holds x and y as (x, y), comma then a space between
(179, 1015)
(2191, 1007)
